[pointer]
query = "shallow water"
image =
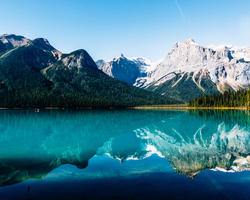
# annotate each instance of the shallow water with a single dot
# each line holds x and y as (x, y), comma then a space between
(124, 154)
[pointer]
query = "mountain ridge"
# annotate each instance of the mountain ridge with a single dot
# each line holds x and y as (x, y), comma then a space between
(124, 69)
(203, 70)
(34, 74)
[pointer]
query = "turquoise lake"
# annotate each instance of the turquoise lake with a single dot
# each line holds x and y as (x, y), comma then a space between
(124, 154)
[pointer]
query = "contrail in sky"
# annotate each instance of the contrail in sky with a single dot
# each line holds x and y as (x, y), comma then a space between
(179, 9)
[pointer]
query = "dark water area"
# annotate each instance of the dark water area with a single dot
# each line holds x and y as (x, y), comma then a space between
(124, 154)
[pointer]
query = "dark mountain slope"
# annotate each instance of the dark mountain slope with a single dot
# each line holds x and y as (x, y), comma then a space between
(20, 68)
(183, 88)
(77, 73)
(35, 74)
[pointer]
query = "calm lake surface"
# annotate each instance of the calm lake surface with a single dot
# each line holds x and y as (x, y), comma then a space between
(124, 154)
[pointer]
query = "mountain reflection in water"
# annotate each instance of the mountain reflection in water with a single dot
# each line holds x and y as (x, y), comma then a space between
(33, 144)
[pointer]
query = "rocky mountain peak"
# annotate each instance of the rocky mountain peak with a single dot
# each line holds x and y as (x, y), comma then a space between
(193, 54)
(79, 58)
(186, 43)
(100, 62)
(189, 41)
(120, 57)
(124, 68)
(11, 41)
(8, 41)
(43, 43)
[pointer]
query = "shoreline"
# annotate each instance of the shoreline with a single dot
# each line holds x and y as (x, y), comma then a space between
(187, 108)
(153, 107)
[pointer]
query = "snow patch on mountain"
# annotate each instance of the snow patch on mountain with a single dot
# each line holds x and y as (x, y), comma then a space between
(125, 69)
(238, 52)
(225, 66)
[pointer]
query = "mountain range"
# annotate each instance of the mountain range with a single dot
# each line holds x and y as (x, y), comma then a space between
(35, 74)
(188, 71)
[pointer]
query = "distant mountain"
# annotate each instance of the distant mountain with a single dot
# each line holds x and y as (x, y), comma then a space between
(34, 69)
(190, 70)
(80, 75)
(35, 74)
(125, 69)
(240, 53)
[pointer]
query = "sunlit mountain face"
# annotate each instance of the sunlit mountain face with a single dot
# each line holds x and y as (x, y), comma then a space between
(32, 145)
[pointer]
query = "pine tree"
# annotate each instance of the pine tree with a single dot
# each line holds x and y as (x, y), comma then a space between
(228, 99)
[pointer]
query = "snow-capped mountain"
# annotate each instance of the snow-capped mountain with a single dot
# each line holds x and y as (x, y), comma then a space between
(188, 71)
(236, 51)
(125, 69)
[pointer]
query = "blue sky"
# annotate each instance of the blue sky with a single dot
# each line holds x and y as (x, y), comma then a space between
(148, 28)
